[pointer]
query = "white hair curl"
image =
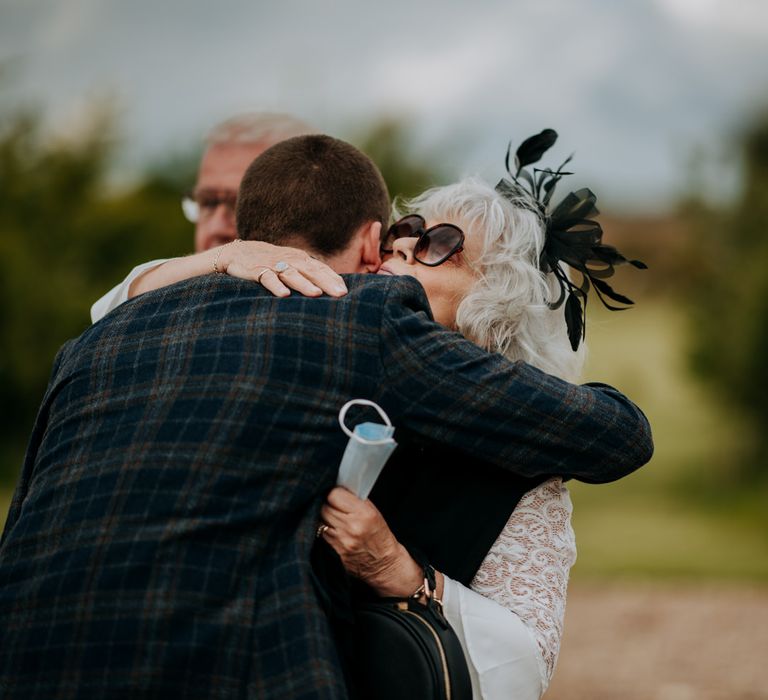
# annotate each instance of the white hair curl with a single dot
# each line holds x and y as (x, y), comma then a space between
(506, 310)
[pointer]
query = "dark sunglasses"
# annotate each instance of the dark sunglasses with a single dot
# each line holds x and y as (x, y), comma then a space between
(435, 245)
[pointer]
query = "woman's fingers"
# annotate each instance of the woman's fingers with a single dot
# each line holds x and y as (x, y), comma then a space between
(293, 278)
(361, 528)
(323, 277)
(333, 518)
(345, 500)
(271, 282)
(300, 272)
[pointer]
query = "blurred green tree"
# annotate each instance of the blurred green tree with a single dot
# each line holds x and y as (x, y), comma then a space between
(406, 171)
(65, 238)
(730, 300)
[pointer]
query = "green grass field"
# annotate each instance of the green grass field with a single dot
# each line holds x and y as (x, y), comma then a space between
(676, 518)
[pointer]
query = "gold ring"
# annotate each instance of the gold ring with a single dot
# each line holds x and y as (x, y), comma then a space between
(321, 530)
(263, 270)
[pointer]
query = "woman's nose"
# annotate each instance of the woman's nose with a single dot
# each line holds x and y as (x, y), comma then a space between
(403, 249)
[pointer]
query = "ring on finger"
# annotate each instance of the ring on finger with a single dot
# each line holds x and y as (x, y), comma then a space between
(322, 530)
(281, 267)
(261, 274)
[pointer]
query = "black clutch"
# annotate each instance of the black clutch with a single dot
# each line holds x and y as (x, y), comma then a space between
(406, 649)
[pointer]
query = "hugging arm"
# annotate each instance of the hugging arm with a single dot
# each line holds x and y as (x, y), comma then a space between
(244, 259)
(120, 293)
(448, 390)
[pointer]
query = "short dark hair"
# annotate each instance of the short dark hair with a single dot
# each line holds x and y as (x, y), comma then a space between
(315, 188)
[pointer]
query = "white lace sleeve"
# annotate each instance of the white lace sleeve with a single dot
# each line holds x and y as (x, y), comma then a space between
(527, 568)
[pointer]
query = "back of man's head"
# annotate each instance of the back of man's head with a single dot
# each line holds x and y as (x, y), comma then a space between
(312, 189)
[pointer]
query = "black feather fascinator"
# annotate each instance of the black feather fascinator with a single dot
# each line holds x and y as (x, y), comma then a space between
(572, 236)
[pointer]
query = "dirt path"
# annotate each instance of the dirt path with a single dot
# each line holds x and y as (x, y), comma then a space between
(663, 643)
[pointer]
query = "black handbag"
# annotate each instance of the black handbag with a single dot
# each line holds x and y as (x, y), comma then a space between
(405, 649)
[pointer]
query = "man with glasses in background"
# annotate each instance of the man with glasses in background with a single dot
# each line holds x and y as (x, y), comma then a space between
(231, 147)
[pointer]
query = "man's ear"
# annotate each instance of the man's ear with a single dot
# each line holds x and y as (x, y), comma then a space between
(362, 255)
(370, 255)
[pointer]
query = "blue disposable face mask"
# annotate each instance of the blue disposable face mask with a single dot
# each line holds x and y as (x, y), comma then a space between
(368, 449)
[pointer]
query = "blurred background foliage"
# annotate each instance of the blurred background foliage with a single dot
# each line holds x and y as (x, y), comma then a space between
(729, 300)
(691, 354)
(66, 236)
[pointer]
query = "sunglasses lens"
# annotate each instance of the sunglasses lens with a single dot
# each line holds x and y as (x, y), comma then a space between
(408, 227)
(437, 244)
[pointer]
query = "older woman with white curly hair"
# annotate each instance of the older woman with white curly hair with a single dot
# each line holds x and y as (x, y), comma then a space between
(506, 308)
(493, 261)
(491, 290)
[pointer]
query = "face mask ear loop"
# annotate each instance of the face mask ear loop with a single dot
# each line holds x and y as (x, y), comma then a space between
(362, 402)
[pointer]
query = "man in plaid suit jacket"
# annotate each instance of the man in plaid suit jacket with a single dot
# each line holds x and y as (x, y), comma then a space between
(158, 541)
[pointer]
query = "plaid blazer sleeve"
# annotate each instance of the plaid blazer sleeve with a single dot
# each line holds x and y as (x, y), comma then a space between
(41, 422)
(445, 388)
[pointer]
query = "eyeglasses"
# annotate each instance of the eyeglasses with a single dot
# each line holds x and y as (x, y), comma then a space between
(434, 245)
(201, 204)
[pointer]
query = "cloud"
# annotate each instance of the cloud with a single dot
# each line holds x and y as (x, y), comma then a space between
(633, 87)
(66, 24)
(744, 18)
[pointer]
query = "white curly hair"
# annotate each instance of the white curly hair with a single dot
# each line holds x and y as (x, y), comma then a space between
(506, 310)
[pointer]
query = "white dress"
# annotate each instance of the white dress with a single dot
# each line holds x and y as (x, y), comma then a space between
(510, 620)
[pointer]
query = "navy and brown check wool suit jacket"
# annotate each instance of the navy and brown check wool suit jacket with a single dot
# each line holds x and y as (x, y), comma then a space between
(158, 541)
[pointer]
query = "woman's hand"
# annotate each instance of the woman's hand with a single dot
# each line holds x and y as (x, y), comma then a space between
(256, 260)
(369, 551)
(248, 260)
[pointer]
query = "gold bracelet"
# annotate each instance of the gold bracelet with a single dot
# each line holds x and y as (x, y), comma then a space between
(218, 253)
(425, 590)
(417, 593)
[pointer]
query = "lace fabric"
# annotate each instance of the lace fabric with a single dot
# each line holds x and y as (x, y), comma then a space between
(527, 568)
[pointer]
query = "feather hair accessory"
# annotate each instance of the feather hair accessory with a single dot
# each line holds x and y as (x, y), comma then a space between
(572, 236)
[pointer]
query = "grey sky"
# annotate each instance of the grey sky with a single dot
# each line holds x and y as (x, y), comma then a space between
(632, 86)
